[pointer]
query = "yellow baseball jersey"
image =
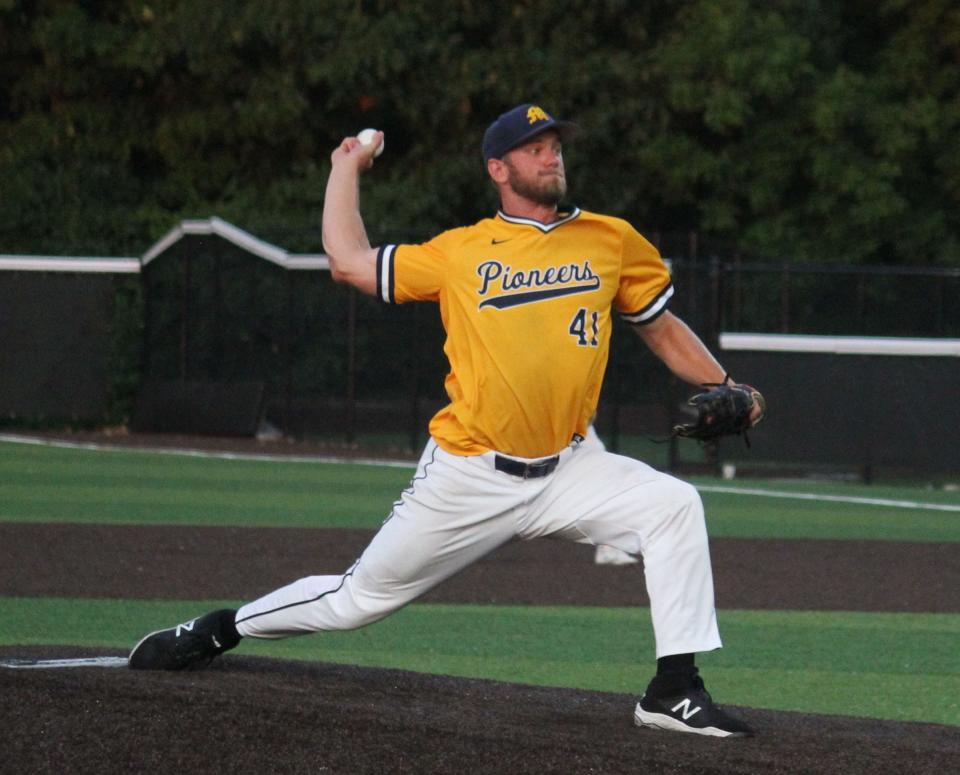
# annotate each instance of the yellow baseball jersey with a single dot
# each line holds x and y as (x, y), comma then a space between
(526, 307)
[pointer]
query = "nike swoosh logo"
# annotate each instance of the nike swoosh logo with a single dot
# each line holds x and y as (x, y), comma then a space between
(500, 241)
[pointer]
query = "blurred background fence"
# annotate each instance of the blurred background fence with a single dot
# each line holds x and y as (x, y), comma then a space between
(220, 333)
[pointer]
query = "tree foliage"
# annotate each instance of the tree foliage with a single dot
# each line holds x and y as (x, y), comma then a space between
(795, 129)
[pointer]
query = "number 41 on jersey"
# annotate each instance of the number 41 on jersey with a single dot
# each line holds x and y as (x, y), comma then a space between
(578, 328)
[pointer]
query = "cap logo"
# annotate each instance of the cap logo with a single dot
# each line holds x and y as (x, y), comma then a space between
(535, 114)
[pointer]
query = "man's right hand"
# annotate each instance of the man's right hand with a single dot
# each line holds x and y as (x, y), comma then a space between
(352, 151)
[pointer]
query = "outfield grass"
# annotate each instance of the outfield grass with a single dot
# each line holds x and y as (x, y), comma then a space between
(49, 484)
(896, 666)
(893, 666)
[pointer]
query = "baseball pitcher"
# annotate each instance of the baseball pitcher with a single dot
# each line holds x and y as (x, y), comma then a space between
(526, 298)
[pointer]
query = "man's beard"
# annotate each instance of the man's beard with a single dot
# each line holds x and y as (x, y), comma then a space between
(546, 190)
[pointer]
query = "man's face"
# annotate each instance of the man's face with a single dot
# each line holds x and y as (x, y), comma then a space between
(535, 169)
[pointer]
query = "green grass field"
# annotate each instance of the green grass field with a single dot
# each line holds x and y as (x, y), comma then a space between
(895, 666)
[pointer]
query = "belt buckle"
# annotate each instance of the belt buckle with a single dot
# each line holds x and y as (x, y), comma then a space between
(525, 470)
(535, 470)
(543, 468)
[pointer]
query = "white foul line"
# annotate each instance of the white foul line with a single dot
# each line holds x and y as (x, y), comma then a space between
(365, 461)
(806, 496)
(199, 453)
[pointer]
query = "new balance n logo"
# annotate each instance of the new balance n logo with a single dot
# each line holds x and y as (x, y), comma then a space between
(687, 711)
(188, 626)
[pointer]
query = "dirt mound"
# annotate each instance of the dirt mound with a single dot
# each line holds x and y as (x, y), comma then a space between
(257, 715)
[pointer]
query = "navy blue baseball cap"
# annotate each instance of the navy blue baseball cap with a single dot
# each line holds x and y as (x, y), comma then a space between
(518, 125)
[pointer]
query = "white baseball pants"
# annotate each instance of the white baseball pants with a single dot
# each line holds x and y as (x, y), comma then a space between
(458, 509)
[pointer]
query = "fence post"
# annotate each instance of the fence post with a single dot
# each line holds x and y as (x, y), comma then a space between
(184, 314)
(351, 364)
(715, 323)
(692, 311)
(941, 295)
(785, 300)
(860, 327)
(148, 335)
(615, 409)
(218, 339)
(288, 356)
(416, 369)
(736, 312)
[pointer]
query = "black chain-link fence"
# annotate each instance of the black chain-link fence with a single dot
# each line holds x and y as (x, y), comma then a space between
(233, 344)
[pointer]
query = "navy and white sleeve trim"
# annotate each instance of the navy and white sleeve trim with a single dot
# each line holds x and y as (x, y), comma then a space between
(385, 273)
(653, 310)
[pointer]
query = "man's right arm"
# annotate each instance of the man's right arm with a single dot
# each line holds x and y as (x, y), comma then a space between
(352, 259)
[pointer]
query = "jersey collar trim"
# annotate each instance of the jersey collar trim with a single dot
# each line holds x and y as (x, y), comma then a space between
(544, 227)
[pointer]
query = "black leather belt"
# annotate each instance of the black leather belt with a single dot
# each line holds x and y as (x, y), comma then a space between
(526, 470)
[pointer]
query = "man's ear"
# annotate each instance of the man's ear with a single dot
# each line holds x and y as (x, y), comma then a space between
(497, 170)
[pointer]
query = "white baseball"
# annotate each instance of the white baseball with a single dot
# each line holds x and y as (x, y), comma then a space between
(366, 137)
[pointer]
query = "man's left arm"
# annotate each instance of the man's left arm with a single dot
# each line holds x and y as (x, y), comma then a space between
(672, 341)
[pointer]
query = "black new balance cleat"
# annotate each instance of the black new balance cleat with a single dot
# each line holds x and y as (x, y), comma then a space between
(188, 646)
(665, 705)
